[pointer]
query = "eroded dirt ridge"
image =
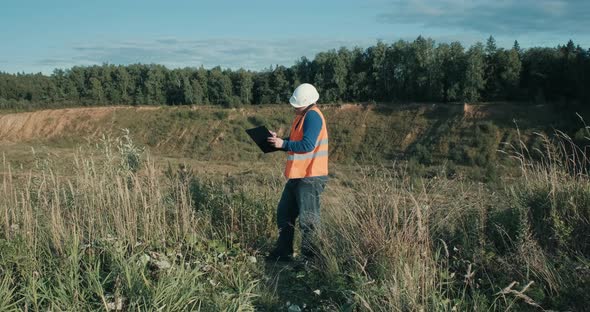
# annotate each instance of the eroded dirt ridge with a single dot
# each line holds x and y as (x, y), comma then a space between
(51, 123)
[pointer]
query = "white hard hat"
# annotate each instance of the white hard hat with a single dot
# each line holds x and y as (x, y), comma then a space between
(304, 95)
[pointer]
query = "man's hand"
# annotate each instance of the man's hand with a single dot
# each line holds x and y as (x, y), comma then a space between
(275, 142)
(274, 134)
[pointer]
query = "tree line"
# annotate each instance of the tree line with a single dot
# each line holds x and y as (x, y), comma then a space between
(418, 70)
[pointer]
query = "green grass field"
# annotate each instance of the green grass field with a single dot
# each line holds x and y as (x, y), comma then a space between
(426, 210)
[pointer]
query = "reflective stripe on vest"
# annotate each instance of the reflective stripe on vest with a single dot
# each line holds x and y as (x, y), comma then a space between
(311, 164)
(310, 154)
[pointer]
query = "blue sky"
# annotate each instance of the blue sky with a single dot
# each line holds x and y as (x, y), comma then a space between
(43, 35)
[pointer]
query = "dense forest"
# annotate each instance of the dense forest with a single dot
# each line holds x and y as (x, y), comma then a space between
(399, 72)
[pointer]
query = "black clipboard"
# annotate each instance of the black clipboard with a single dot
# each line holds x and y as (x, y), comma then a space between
(260, 136)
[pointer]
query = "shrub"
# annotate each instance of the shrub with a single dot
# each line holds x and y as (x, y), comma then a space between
(422, 154)
(256, 121)
(459, 154)
(221, 114)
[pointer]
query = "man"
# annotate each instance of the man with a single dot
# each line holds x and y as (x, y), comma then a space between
(307, 171)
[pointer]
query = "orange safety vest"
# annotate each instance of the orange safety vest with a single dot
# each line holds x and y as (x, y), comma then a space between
(314, 163)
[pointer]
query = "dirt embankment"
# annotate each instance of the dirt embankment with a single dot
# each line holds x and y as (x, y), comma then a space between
(51, 123)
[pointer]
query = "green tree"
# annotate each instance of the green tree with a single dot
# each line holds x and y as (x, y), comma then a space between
(302, 72)
(450, 68)
(539, 65)
(358, 88)
(112, 94)
(188, 92)
(262, 93)
(330, 74)
(200, 86)
(397, 71)
(473, 80)
(154, 85)
(377, 75)
(243, 84)
(280, 85)
(96, 93)
(509, 68)
(122, 84)
(422, 68)
(219, 87)
(491, 46)
(60, 81)
(493, 90)
(516, 47)
(178, 87)
(137, 74)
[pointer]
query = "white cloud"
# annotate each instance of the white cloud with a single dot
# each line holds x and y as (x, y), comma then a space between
(493, 17)
(173, 52)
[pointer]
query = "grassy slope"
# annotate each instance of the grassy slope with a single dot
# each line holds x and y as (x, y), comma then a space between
(357, 134)
(473, 222)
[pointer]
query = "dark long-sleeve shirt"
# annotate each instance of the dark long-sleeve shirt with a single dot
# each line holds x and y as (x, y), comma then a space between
(312, 126)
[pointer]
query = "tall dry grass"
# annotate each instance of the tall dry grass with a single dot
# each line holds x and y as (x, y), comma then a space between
(391, 243)
(110, 232)
(97, 199)
(116, 231)
(378, 241)
(552, 198)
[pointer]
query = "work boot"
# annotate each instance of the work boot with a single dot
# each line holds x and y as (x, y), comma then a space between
(274, 256)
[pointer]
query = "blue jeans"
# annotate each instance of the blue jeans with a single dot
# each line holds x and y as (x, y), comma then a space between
(301, 198)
